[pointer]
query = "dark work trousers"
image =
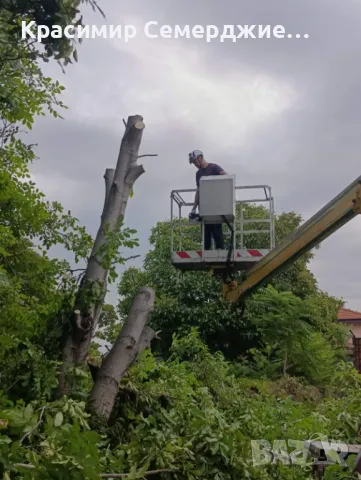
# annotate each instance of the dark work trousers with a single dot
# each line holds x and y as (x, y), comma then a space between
(215, 231)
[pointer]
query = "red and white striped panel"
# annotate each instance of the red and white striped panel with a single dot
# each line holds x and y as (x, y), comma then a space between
(251, 253)
(189, 255)
(221, 255)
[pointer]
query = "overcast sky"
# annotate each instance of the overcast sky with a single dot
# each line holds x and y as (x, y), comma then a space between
(282, 112)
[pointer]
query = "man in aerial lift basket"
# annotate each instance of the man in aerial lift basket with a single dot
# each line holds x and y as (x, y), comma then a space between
(205, 169)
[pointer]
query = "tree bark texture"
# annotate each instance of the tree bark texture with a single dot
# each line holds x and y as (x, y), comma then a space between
(93, 287)
(133, 338)
(144, 343)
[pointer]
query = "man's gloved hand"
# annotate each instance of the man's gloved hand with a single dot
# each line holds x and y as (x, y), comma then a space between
(193, 216)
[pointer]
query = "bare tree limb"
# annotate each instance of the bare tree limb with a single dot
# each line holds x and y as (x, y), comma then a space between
(122, 354)
(93, 286)
(108, 177)
(148, 334)
(94, 369)
(129, 258)
(133, 174)
(148, 155)
(145, 341)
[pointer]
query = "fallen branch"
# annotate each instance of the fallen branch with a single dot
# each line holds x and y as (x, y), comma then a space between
(13, 384)
(126, 475)
(24, 465)
(108, 475)
(36, 426)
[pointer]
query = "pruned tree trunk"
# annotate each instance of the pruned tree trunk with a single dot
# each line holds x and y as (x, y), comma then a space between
(133, 338)
(93, 287)
(145, 341)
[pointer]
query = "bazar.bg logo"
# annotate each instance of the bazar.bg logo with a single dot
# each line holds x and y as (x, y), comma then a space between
(152, 30)
(295, 452)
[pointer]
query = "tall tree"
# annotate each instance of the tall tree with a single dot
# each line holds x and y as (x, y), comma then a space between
(134, 336)
(26, 215)
(32, 287)
(92, 290)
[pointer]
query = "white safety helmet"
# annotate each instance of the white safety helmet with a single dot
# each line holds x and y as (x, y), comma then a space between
(194, 155)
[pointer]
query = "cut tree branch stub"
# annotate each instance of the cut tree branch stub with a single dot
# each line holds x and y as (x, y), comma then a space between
(108, 177)
(127, 259)
(148, 155)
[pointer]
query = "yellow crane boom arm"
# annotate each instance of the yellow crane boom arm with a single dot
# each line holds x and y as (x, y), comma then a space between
(343, 208)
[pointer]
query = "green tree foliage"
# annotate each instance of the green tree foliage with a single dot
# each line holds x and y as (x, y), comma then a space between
(47, 14)
(189, 415)
(33, 288)
(228, 375)
(289, 338)
(193, 299)
(28, 297)
(24, 94)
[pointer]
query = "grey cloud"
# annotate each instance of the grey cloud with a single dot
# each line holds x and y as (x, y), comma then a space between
(307, 153)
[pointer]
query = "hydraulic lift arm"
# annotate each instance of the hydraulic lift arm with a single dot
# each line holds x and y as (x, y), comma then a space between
(330, 218)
